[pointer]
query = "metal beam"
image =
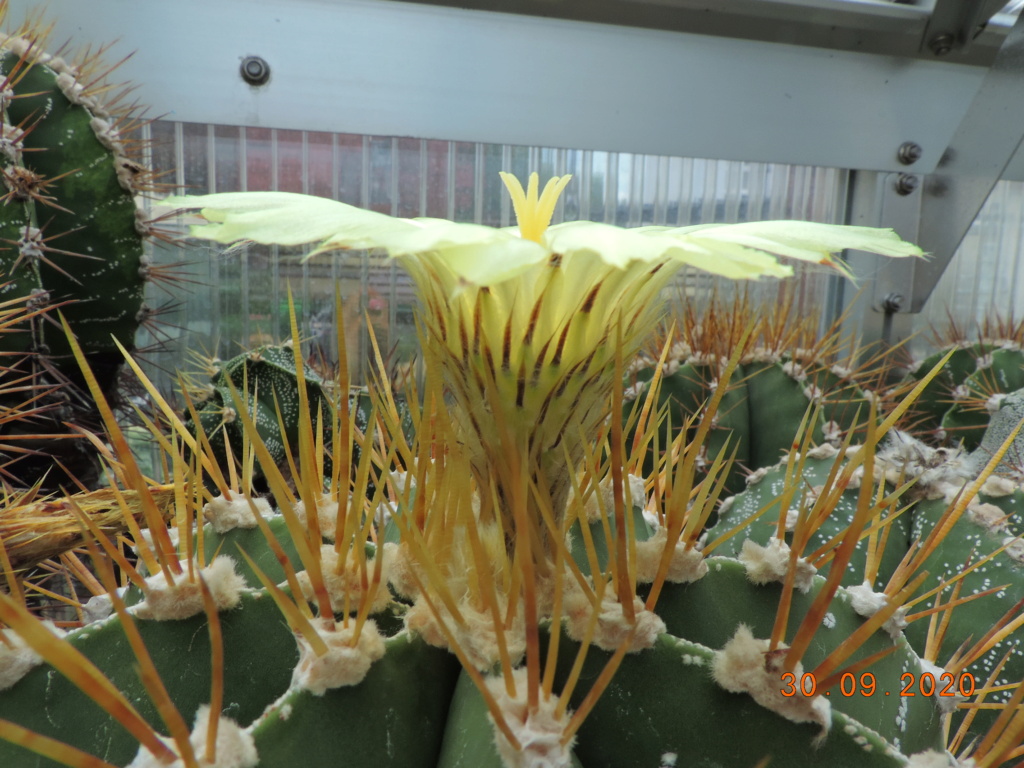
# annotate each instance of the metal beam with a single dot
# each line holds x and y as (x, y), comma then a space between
(404, 69)
(981, 148)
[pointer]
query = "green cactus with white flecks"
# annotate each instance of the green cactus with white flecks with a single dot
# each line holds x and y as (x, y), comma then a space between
(960, 523)
(265, 380)
(72, 239)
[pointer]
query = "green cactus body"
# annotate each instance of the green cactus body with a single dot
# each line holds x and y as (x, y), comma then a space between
(676, 715)
(79, 147)
(72, 237)
(958, 403)
(260, 647)
(761, 412)
(396, 716)
(985, 527)
(763, 492)
(265, 379)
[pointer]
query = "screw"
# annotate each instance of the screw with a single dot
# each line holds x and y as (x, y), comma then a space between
(906, 183)
(254, 70)
(942, 45)
(892, 303)
(909, 152)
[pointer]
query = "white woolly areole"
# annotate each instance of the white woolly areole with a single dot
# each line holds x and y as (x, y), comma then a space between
(97, 608)
(235, 746)
(402, 566)
(997, 486)
(866, 602)
(1015, 548)
(745, 665)
(477, 637)
(347, 583)
(326, 515)
(995, 402)
(612, 627)
(762, 354)
(539, 732)
(833, 432)
(592, 509)
(107, 134)
(794, 370)
(757, 476)
(632, 392)
(988, 516)
(227, 514)
(726, 505)
(16, 658)
(147, 536)
(825, 450)
(770, 563)
(933, 759)
(686, 565)
(343, 663)
(944, 703)
(165, 602)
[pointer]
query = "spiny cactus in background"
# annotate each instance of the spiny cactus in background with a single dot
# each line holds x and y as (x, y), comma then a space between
(786, 367)
(72, 237)
(266, 379)
(957, 405)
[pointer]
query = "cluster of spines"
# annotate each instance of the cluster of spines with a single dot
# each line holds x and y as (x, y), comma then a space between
(468, 575)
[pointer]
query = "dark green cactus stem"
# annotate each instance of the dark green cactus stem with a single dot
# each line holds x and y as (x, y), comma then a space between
(72, 237)
(987, 535)
(265, 379)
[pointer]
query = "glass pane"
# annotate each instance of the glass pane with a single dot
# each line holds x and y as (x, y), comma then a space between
(242, 298)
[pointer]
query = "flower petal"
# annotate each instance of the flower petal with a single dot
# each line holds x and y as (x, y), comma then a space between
(473, 253)
(619, 247)
(804, 240)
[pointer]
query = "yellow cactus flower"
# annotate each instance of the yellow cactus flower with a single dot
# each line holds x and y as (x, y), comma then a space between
(525, 323)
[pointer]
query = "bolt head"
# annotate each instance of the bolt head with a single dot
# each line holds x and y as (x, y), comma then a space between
(907, 183)
(255, 70)
(909, 152)
(892, 302)
(942, 45)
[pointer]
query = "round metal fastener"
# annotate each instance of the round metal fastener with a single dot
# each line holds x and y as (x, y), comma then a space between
(941, 45)
(255, 70)
(892, 302)
(909, 152)
(907, 183)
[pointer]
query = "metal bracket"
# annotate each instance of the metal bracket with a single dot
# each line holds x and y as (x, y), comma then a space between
(877, 311)
(981, 148)
(954, 24)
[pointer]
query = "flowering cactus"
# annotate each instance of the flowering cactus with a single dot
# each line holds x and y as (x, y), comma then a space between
(675, 657)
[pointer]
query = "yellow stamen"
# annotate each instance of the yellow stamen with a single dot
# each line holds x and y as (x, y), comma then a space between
(532, 213)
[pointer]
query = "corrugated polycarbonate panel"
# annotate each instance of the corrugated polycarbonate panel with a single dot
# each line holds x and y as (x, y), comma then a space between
(984, 280)
(239, 299)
